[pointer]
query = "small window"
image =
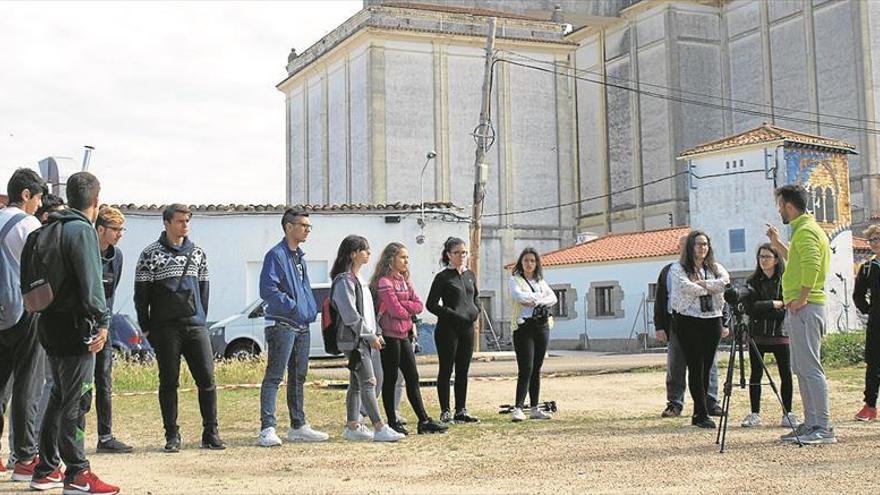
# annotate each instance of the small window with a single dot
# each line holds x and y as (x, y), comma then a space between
(652, 292)
(604, 301)
(560, 310)
(737, 240)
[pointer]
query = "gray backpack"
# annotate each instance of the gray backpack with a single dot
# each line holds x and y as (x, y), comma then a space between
(11, 302)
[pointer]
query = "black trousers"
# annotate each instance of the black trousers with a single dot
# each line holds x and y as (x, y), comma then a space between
(455, 348)
(872, 360)
(530, 344)
(22, 358)
(62, 434)
(398, 354)
(104, 390)
(699, 339)
(782, 353)
(194, 345)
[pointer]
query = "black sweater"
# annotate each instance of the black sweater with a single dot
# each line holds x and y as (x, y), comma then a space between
(867, 284)
(460, 298)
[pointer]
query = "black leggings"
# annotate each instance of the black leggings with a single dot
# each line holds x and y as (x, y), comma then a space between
(872, 360)
(455, 348)
(398, 354)
(782, 352)
(699, 340)
(530, 343)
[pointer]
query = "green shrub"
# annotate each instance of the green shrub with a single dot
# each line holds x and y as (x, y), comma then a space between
(843, 349)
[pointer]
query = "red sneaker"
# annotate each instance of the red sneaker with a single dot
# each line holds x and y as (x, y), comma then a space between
(54, 480)
(2, 467)
(86, 482)
(24, 471)
(867, 414)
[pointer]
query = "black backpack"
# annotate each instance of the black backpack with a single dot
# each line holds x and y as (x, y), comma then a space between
(43, 271)
(330, 321)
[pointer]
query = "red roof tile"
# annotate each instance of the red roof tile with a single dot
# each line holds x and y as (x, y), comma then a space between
(860, 244)
(623, 246)
(767, 133)
(242, 208)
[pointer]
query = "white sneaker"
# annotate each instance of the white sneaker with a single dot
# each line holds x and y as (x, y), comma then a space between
(268, 438)
(537, 413)
(386, 434)
(359, 434)
(518, 415)
(789, 420)
(305, 433)
(752, 420)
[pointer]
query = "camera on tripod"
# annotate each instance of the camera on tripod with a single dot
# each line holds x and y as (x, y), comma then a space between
(737, 298)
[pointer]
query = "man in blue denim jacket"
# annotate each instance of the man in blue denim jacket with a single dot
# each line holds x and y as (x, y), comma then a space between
(290, 308)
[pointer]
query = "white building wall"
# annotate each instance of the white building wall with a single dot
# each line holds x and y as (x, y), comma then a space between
(633, 278)
(236, 244)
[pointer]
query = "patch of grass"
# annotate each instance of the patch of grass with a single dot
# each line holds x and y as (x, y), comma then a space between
(843, 349)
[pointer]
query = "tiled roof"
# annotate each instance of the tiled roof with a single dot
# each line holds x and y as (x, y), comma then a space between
(767, 133)
(250, 208)
(623, 246)
(860, 244)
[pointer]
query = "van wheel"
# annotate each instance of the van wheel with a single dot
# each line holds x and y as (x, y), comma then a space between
(242, 350)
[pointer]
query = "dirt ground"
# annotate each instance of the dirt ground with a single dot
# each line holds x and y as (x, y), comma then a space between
(606, 438)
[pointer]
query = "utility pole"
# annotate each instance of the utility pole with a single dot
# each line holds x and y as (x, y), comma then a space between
(484, 135)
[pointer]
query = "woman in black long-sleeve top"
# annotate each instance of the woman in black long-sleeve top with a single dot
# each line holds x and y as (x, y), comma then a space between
(454, 298)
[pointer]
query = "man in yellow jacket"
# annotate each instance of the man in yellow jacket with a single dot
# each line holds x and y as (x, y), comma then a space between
(803, 292)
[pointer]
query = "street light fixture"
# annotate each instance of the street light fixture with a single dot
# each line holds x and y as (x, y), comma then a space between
(420, 239)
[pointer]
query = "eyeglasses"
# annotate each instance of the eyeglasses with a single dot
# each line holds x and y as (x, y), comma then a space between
(874, 240)
(701, 244)
(306, 226)
(766, 257)
(114, 229)
(458, 253)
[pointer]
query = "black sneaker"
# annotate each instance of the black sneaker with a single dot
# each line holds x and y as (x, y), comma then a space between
(671, 412)
(430, 426)
(715, 410)
(702, 422)
(399, 428)
(113, 446)
(463, 417)
(446, 417)
(211, 440)
(172, 444)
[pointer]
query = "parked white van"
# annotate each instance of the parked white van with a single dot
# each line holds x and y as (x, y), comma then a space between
(242, 335)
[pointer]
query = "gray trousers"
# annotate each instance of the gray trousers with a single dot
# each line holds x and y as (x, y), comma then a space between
(806, 329)
(380, 379)
(676, 372)
(362, 386)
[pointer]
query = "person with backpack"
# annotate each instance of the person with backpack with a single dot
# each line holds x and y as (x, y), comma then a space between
(532, 300)
(354, 319)
(171, 298)
(398, 303)
(21, 357)
(290, 309)
(73, 327)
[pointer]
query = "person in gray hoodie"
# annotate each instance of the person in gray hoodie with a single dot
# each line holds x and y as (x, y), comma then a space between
(357, 338)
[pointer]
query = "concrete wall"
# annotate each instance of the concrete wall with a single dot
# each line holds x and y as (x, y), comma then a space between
(236, 244)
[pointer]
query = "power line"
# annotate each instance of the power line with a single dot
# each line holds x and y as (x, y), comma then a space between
(693, 102)
(819, 115)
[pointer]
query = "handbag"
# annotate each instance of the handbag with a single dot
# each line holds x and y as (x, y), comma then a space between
(176, 304)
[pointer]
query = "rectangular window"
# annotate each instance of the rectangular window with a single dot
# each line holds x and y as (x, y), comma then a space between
(604, 301)
(737, 240)
(560, 310)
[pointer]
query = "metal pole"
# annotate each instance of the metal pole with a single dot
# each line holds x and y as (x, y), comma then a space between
(483, 138)
(87, 155)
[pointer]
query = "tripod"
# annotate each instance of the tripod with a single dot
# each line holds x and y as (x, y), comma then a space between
(741, 338)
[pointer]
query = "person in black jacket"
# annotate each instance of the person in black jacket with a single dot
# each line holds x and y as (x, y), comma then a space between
(171, 298)
(867, 284)
(766, 314)
(73, 329)
(110, 225)
(456, 288)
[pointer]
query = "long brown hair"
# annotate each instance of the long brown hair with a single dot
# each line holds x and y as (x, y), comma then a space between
(383, 267)
(687, 260)
(759, 272)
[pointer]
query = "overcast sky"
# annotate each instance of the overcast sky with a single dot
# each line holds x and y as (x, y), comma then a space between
(178, 98)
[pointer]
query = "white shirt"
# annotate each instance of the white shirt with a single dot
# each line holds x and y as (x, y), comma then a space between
(369, 312)
(686, 293)
(16, 237)
(521, 293)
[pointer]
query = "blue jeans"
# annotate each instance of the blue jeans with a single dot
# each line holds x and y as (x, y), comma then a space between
(676, 369)
(288, 349)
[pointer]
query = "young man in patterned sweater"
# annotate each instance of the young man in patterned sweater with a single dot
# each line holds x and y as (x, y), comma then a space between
(171, 298)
